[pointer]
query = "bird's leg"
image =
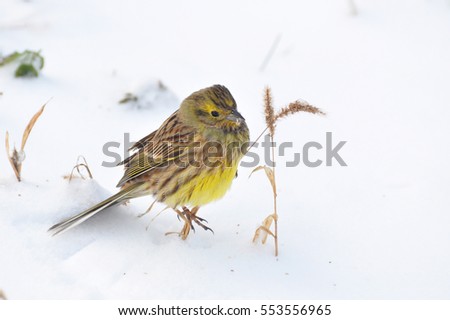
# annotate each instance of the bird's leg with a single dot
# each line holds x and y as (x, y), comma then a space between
(187, 224)
(185, 215)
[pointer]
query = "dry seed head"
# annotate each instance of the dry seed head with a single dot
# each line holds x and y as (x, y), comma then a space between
(268, 111)
(297, 106)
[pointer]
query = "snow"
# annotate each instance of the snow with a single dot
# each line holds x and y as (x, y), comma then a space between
(376, 229)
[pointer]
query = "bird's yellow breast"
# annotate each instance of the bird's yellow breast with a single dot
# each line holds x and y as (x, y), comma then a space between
(213, 186)
(207, 186)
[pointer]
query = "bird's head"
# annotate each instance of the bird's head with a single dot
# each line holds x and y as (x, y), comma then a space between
(212, 107)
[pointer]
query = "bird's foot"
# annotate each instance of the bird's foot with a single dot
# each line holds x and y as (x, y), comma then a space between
(189, 216)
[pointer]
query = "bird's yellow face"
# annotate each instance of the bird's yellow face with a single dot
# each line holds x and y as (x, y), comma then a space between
(213, 115)
(213, 107)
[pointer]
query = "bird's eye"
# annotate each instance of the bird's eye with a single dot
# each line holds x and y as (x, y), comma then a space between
(214, 113)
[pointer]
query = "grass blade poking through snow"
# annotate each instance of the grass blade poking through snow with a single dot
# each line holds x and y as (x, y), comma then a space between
(81, 163)
(15, 157)
(264, 231)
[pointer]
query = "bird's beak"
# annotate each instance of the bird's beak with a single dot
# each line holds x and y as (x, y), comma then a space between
(235, 117)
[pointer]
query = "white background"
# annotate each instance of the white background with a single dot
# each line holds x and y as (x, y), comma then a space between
(376, 229)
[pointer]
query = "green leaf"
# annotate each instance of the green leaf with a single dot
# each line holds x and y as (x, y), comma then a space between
(26, 70)
(9, 58)
(36, 59)
(128, 97)
(30, 62)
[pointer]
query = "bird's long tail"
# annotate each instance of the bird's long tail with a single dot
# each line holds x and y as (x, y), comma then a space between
(127, 193)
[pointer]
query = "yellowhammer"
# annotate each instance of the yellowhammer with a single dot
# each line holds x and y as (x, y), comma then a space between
(190, 160)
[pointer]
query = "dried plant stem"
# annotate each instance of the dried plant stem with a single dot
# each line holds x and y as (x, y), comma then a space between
(270, 173)
(271, 121)
(259, 137)
(15, 157)
(81, 163)
(12, 158)
(30, 125)
(147, 211)
(272, 218)
(275, 214)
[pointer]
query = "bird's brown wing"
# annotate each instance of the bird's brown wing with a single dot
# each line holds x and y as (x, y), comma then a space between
(158, 149)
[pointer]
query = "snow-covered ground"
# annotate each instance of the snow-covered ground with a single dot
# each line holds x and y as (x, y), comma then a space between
(378, 228)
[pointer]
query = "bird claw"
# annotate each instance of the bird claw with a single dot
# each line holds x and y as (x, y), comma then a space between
(201, 219)
(190, 216)
(206, 228)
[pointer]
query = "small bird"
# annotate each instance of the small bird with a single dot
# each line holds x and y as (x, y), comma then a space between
(189, 161)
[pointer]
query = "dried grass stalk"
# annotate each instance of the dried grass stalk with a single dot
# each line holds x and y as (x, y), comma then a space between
(265, 228)
(270, 175)
(15, 157)
(263, 231)
(81, 163)
(30, 126)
